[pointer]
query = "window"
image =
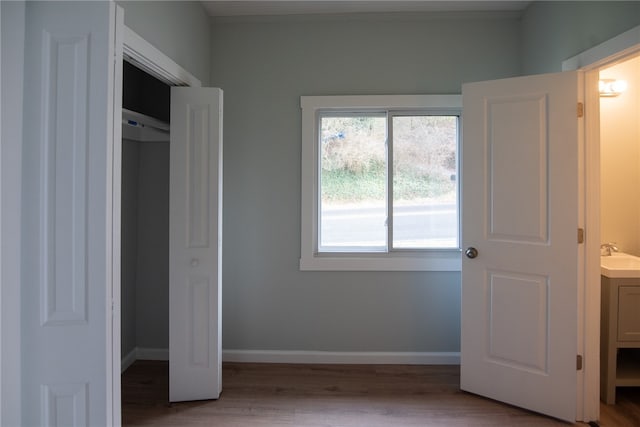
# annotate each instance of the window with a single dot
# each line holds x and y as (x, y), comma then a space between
(380, 182)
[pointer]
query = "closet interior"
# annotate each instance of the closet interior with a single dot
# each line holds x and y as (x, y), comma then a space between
(145, 217)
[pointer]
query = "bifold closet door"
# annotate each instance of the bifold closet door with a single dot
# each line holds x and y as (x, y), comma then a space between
(70, 300)
(195, 243)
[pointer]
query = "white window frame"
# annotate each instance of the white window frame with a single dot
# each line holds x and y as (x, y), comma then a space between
(406, 260)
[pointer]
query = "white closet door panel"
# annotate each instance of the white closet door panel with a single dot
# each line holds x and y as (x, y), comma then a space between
(70, 82)
(195, 244)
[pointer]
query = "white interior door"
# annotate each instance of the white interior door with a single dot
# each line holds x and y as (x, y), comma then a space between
(520, 211)
(67, 277)
(195, 243)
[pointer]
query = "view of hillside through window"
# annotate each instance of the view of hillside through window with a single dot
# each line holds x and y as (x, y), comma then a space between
(355, 163)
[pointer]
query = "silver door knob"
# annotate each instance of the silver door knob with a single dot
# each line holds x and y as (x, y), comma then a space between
(195, 262)
(471, 252)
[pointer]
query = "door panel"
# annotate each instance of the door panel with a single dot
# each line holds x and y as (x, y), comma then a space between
(67, 205)
(518, 170)
(520, 211)
(195, 244)
(518, 324)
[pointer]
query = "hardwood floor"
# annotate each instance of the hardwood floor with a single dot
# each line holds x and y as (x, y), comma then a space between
(336, 395)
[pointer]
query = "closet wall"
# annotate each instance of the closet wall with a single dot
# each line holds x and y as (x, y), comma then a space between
(145, 224)
(129, 252)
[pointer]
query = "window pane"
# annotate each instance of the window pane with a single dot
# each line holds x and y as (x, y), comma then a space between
(425, 212)
(353, 183)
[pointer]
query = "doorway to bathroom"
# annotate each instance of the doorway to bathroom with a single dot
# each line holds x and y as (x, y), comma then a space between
(620, 156)
(592, 62)
(620, 229)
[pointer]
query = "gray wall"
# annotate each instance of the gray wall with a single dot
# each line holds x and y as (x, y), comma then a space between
(145, 245)
(129, 251)
(555, 31)
(180, 29)
(152, 290)
(264, 66)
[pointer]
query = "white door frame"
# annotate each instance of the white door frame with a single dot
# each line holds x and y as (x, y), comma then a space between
(150, 59)
(591, 61)
(11, 103)
(147, 57)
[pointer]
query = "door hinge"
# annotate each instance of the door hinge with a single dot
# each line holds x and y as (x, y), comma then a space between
(580, 235)
(580, 109)
(579, 362)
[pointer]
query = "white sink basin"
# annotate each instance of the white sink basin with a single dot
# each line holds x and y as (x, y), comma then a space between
(620, 265)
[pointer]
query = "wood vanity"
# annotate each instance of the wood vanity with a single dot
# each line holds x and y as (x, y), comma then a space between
(619, 335)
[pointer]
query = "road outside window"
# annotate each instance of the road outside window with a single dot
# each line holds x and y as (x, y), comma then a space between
(379, 181)
(380, 184)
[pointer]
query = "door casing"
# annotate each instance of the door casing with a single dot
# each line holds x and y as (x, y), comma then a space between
(147, 57)
(12, 15)
(591, 61)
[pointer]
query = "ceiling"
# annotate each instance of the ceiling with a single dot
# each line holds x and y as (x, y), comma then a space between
(220, 8)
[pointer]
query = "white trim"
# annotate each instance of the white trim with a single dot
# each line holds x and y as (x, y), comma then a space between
(589, 393)
(310, 357)
(148, 58)
(128, 360)
(606, 53)
(445, 260)
(392, 102)
(338, 357)
(143, 353)
(1, 227)
(581, 253)
(432, 260)
(610, 52)
(113, 214)
(11, 133)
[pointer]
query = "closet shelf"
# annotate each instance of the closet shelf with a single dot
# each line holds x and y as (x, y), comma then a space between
(140, 127)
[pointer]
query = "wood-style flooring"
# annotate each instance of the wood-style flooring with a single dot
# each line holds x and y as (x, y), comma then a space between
(270, 395)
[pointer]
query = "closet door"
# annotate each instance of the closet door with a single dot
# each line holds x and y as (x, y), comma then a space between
(70, 279)
(195, 243)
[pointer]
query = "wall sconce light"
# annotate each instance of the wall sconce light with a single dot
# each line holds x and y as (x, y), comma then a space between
(611, 87)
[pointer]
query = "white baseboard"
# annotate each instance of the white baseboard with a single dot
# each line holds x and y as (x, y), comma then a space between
(128, 360)
(331, 357)
(310, 357)
(141, 353)
(152, 353)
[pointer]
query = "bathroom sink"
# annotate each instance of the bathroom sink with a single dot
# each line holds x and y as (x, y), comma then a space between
(620, 265)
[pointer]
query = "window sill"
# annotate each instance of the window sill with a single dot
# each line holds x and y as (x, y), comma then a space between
(429, 261)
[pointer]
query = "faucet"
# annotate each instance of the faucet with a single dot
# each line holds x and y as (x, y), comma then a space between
(607, 248)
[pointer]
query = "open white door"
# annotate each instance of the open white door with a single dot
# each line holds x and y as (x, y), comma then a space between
(520, 212)
(68, 225)
(195, 242)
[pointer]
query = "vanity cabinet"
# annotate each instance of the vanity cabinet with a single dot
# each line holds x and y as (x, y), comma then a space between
(619, 335)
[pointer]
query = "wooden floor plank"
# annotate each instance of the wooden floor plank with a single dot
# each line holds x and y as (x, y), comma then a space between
(270, 395)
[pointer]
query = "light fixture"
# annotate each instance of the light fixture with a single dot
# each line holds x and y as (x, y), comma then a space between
(612, 87)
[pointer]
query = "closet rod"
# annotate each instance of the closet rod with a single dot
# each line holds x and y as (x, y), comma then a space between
(135, 119)
(136, 124)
